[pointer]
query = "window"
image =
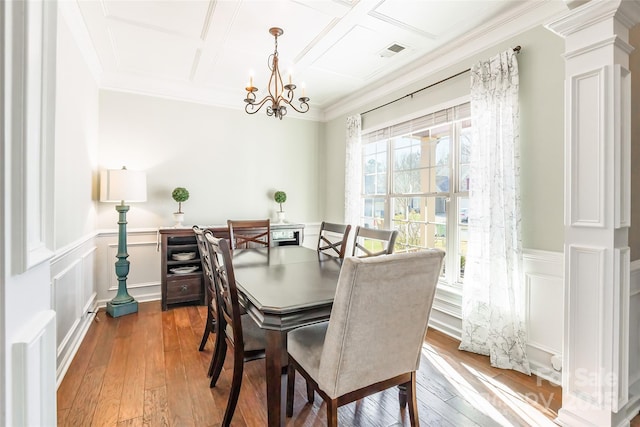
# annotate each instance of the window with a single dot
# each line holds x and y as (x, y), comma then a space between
(416, 180)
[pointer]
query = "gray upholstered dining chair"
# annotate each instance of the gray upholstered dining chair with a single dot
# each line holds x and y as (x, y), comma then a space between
(373, 242)
(369, 343)
(332, 239)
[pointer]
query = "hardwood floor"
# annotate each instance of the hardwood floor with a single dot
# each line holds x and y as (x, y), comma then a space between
(145, 369)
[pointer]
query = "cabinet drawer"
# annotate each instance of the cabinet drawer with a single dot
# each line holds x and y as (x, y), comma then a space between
(184, 289)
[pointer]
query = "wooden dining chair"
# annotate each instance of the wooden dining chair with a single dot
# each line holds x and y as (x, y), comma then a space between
(253, 233)
(212, 304)
(373, 242)
(340, 360)
(240, 332)
(332, 239)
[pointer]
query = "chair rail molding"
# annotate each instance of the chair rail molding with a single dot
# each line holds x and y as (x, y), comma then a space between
(596, 341)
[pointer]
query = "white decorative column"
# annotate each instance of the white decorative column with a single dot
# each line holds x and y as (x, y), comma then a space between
(597, 213)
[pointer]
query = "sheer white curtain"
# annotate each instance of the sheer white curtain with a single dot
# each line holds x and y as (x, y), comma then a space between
(492, 302)
(353, 171)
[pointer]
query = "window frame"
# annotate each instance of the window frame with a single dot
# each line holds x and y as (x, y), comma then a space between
(452, 276)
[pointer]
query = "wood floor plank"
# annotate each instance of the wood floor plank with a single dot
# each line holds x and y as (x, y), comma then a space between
(164, 383)
(132, 422)
(132, 405)
(251, 395)
(179, 406)
(84, 404)
(156, 411)
(169, 334)
(205, 411)
(62, 416)
(126, 325)
(68, 388)
(108, 407)
(154, 349)
(197, 319)
(102, 350)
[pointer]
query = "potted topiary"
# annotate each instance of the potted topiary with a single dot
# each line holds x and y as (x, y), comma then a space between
(179, 194)
(280, 197)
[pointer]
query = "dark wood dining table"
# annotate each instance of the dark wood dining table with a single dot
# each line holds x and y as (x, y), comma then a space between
(283, 288)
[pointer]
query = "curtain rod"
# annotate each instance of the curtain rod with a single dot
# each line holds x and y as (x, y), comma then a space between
(515, 49)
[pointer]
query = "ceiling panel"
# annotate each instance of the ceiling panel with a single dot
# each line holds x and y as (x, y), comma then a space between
(301, 24)
(206, 49)
(440, 17)
(147, 51)
(356, 54)
(185, 17)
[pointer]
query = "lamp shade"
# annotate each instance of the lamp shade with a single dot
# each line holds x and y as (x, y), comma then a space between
(123, 185)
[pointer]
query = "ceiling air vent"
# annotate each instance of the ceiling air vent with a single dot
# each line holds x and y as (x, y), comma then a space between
(391, 50)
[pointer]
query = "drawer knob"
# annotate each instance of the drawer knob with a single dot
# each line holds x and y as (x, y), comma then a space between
(183, 288)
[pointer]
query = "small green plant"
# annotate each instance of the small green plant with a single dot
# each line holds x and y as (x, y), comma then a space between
(180, 194)
(280, 197)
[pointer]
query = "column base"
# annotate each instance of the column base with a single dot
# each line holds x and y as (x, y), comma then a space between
(117, 310)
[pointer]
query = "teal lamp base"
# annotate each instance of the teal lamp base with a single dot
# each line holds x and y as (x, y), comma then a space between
(122, 303)
(117, 310)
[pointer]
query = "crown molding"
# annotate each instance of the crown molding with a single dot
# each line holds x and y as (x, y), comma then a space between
(70, 13)
(586, 15)
(529, 15)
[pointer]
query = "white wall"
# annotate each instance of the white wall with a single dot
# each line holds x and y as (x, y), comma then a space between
(230, 162)
(72, 280)
(76, 141)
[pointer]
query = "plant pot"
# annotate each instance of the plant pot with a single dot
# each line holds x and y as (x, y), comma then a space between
(280, 217)
(178, 217)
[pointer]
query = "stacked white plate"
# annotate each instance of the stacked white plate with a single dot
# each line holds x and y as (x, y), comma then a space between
(184, 270)
(184, 256)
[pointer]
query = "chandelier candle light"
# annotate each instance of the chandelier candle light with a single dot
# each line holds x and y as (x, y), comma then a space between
(280, 95)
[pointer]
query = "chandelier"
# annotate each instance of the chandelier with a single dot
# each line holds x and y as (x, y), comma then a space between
(280, 95)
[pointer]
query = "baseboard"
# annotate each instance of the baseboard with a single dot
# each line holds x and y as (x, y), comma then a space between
(83, 328)
(140, 298)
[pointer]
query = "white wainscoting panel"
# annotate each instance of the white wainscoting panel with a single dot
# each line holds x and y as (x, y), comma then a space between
(143, 281)
(544, 310)
(34, 384)
(587, 149)
(73, 297)
(622, 148)
(634, 329)
(143, 269)
(587, 268)
(621, 294)
(67, 300)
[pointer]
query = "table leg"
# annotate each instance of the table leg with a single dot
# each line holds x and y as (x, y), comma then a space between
(274, 355)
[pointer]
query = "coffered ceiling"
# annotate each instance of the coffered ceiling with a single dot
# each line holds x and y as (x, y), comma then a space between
(204, 50)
